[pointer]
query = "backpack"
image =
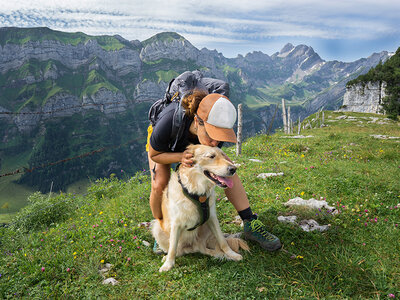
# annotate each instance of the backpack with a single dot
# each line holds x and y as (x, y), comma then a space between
(176, 90)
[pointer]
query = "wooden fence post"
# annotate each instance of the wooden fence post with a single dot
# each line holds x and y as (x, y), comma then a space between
(285, 125)
(299, 127)
(239, 131)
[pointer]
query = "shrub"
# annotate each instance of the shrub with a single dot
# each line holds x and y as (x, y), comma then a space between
(44, 211)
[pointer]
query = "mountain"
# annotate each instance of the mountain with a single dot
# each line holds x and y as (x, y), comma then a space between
(67, 94)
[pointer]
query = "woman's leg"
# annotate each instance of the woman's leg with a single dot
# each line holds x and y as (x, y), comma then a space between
(159, 179)
(253, 229)
(237, 195)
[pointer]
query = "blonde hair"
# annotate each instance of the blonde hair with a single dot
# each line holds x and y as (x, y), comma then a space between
(191, 101)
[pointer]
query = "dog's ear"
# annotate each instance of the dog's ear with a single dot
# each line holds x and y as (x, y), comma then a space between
(226, 157)
(191, 148)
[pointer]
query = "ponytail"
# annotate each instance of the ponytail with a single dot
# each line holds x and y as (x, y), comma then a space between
(191, 101)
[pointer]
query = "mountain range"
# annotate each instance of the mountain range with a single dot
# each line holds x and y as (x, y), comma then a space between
(66, 94)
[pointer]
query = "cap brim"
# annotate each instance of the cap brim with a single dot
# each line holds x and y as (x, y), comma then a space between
(220, 134)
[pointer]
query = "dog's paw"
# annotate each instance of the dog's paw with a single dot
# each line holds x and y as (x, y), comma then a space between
(166, 266)
(233, 256)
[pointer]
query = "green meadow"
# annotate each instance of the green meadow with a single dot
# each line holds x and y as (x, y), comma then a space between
(56, 245)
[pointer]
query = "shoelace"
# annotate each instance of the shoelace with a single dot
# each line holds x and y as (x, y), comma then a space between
(257, 226)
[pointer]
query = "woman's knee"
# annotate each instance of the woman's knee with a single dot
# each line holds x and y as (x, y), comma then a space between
(158, 186)
(159, 183)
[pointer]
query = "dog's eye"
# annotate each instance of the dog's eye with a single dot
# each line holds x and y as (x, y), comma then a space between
(211, 156)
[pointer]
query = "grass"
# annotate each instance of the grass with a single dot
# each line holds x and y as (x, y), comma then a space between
(358, 257)
(12, 196)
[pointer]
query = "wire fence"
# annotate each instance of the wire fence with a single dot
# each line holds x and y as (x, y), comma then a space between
(28, 170)
(83, 105)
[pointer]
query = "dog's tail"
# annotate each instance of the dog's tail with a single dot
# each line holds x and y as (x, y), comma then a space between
(236, 243)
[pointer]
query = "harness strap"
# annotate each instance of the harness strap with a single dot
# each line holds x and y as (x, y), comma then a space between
(201, 202)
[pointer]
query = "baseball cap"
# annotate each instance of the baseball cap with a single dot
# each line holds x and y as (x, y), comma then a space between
(219, 116)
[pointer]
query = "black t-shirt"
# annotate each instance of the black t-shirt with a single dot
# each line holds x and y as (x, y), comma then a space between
(160, 138)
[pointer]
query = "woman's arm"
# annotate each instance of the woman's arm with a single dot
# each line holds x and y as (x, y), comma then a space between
(171, 157)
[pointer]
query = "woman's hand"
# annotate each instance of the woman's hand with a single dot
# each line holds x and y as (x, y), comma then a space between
(187, 159)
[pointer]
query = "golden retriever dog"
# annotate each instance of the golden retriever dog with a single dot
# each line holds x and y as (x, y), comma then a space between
(184, 206)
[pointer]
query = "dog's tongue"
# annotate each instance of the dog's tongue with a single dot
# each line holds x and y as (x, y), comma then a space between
(228, 181)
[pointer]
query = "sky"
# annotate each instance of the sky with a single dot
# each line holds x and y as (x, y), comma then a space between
(337, 30)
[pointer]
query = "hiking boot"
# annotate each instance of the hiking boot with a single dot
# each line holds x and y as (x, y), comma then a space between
(157, 250)
(254, 230)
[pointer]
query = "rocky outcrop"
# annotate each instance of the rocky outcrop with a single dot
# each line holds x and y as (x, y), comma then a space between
(148, 90)
(106, 101)
(123, 61)
(364, 98)
(176, 49)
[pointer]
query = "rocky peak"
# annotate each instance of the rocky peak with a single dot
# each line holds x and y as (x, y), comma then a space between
(169, 45)
(297, 61)
(257, 56)
(286, 50)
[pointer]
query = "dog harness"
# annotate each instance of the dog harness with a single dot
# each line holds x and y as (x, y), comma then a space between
(201, 202)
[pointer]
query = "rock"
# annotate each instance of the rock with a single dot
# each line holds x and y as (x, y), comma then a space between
(311, 203)
(311, 225)
(267, 175)
(105, 269)
(111, 281)
(385, 137)
(297, 137)
(255, 160)
(288, 219)
(238, 221)
(146, 243)
(306, 225)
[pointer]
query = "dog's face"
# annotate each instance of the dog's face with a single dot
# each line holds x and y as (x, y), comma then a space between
(214, 164)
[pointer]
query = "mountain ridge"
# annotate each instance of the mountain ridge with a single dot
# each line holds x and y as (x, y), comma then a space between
(103, 78)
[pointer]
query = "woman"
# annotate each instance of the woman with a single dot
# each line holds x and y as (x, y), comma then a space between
(208, 120)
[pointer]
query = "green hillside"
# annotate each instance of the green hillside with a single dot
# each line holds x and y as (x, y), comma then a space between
(56, 246)
(163, 37)
(16, 95)
(20, 36)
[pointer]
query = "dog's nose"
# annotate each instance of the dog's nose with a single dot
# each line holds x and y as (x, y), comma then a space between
(231, 170)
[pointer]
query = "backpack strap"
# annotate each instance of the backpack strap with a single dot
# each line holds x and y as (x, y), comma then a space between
(167, 95)
(177, 126)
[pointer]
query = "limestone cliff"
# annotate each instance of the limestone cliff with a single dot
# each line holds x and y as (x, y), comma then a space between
(365, 98)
